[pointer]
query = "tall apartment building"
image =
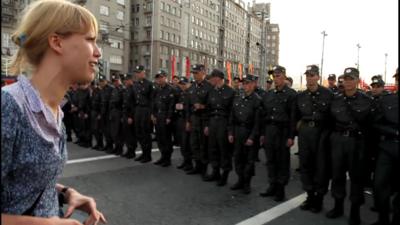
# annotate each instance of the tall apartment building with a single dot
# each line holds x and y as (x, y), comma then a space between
(114, 32)
(272, 45)
(254, 51)
(9, 11)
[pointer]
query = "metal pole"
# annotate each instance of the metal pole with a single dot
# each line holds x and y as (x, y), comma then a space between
(324, 34)
(386, 55)
(358, 56)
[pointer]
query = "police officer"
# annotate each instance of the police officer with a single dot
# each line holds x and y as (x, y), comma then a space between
(340, 84)
(243, 129)
(83, 112)
(260, 92)
(197, 112)
(105, 94)
(377, 87)
(219, 104)
(278, 133)
(143, 92)
(237, 83)
(268, 84)
(332, 83)
(312, 112)
(177, 90)
(74, 111)
(115, 109)
(95, 110)
(351, 112)
(181, 120)
(386, 124)
(162, 113)
(68, 118)
(128, 111)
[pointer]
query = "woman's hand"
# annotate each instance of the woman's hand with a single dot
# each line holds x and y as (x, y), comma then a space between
(86, 204)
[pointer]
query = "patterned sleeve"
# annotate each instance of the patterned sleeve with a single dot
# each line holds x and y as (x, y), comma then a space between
(10, 112)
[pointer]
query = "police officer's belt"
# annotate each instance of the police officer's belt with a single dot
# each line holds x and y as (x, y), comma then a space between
(277, 123)
(350, 133)
(312, 123)
(389, 138)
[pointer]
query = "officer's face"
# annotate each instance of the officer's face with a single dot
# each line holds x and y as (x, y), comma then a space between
(331, 82)
(140, 75)
(198, 76)
(214, 81)
(161, 80)
(279, 78)
(350, 83)
(249, 86)
(268, 86)
(376, 89)
(312, 79)
(175, 81)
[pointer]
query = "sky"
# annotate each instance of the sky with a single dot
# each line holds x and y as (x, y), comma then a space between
(372, 24)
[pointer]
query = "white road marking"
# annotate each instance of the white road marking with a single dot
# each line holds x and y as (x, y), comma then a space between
(73, 161)
(275, 212)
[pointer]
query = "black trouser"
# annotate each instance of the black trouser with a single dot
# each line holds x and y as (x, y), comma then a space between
(84, 133)
(175, 131)
(386, 177)
(371, 152)
(95, 128)
(278, 154)
(105, 129)
(76, 125)
(243, 155)
(183, 139)
(116, 127)
(314, 156)
(68, 122)
(198, 141)
(143, 128)
(164, 137)
(347, 155)
(129, 135)
(218, 148)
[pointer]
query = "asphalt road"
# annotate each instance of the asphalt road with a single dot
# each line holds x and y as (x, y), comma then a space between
(131, 193)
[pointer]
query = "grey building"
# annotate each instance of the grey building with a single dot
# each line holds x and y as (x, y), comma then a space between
(272, 45)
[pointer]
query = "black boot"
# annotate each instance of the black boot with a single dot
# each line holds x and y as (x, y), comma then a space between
(182, 165)
(354, 214)
(196, 169)
(280, 193)
(119, 150)
(309, 202)
(224, 178)
(246, 186)
(130, 154)
(166, 163)
(239, 184)
(214, 176)
(188, 166)
(271, 190)
(337, 210)
(318, 202)
(383, 219)
(159, 161)
(146, 158)
(139, 158)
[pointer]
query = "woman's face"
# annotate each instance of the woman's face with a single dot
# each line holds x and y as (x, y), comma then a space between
(81, 57)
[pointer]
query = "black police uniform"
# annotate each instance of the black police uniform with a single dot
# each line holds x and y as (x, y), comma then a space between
(198, 93)
(143, 91)
(74, 114)
(115, 109)
(105, 95)
(387, 183)
(183, 134)
(278, 126)
(95, 111)
(314, 127)
(68, 116)
(174, 127)
(260, 92)
(244, 124)
(128, 112)
(351, 115)
(162, 109)
(219, 105)
(83, 105)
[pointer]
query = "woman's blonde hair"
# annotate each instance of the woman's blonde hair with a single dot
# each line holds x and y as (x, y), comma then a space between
(41, 19)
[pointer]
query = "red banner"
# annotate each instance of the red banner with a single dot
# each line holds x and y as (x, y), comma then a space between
(173, 67)
(228, 71)
(240, 70)
(187, 67)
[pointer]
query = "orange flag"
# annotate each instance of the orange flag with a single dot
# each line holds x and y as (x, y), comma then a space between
(228, 71)
(240, 69)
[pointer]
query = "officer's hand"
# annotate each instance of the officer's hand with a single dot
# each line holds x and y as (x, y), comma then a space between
(188, 127)
(290, 142)
(249, 142)
(61, 221)
(86, 116)
(130, 120)
(98, 117)
(153, 118)
(196, 106)
(168, 121)
(206, 131)
(262, 139)
(230, 139)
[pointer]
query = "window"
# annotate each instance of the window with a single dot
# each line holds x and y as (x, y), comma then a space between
(5, 40)
(162, 6)
(168, 8)
(148, 34)
(103, 10)
(167, 36)
(137, 7)
(173, 38)
(178, 40)
(148, 20)
(103, 27)
(162, 34)
(115, 43)
(120, 15)
(162, 20)
(137, 21)
(116, 59)
(121, 2)
(192, 19)
(168, 22)
(135, 35)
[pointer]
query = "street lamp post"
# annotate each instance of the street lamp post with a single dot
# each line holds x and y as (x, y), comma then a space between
(358, 56)
(324, 34)
(386, 55)
(262, 61)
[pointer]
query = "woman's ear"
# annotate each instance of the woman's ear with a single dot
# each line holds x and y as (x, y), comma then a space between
(55, 43)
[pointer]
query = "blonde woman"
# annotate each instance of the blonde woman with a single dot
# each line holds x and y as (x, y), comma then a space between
(57, 47)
